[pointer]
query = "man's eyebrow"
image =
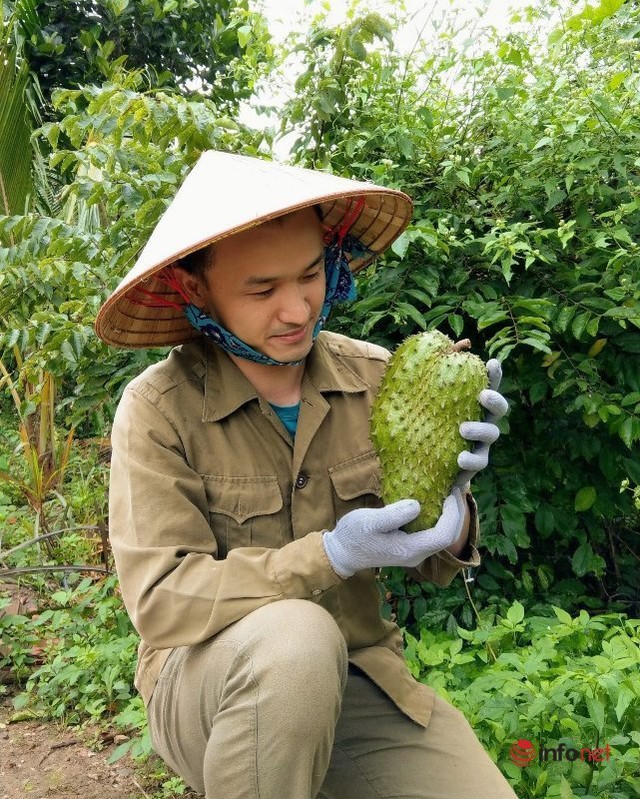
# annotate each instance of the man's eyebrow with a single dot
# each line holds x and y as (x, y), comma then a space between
(260, 280)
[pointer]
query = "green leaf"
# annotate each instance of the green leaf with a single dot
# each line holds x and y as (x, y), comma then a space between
(579, 324)
(536, 343)
(618, 79)
(492, 319)
(555, 198)
(244, 35)
(118, 6)
(626, 431)
(585, 498)
(515, 614)
(632, 468)
(596, 712)
(357, 48)
(607, 8)
(564, 317)
(119, 752)
(537, 392)
(406, 146)
(456, 322)
(544, 521)
(625, 697)
(584, 559)
(20, 701)
(565, 789)
(513, 520)
(421, 296)
(562, 615)
(401, 244)
(463, 176)
(542, 142)
(66, 350)
(413, 313)
(631, 399)
(428, 282)
(16, 153)
(326, 102)
(426, 116)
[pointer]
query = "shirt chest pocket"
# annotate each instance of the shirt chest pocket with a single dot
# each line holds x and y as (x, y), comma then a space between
(245, 512)
(356, 483)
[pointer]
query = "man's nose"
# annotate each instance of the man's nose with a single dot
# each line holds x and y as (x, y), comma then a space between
(295, 306)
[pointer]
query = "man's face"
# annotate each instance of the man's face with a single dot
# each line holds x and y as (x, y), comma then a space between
(267, 285)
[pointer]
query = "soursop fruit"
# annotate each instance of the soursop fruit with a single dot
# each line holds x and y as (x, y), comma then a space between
(429, 387)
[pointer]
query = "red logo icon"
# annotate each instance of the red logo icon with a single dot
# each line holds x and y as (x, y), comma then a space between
(522, 752)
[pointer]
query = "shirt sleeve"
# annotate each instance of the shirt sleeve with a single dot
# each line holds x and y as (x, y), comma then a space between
(176, 591)
(442, 567)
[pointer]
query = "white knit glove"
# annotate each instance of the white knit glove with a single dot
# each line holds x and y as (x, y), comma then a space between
(371, 537)
(483, 433)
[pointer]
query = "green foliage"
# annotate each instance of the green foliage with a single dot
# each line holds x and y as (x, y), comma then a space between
(133, 718)
(121, 152)
(79, 655)
(89, 651)
(547, 679)
(193, 45)
(322, 106)
(66, 527)
(521, 157)
(17, 639)
(15, 118)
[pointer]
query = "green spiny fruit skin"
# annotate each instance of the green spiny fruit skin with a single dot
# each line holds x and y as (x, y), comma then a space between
(427, 390)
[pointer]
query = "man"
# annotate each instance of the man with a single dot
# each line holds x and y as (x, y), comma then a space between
(245, 511)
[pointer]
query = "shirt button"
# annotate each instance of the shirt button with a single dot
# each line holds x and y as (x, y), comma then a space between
(301, 480)
(316, 591)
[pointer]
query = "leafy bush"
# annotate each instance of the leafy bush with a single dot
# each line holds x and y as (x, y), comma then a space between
(547, 679)
(190, 44)
(520, 153)
(88, 648)
(521, 156)
(17, 639)
(120, 151)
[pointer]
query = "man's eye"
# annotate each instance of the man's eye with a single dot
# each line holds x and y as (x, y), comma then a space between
(264, 293)
(312, 276)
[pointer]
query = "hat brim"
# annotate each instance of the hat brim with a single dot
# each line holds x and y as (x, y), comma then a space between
(255, 192)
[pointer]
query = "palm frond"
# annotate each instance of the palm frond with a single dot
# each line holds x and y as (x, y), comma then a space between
(16, 152)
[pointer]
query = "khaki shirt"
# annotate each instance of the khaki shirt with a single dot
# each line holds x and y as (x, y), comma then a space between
(216, 511)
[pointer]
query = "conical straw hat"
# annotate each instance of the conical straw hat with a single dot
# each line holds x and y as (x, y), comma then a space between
(225, 194)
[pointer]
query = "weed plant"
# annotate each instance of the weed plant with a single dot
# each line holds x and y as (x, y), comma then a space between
(550, 680)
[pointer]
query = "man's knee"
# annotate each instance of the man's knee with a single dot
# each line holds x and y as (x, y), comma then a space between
(298, 634)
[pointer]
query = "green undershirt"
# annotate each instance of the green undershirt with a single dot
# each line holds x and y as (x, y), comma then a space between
(288, 415)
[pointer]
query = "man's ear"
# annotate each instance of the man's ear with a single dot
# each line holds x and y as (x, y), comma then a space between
(193, 285)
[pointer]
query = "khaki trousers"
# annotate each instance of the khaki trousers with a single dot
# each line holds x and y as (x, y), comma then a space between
(270, 709)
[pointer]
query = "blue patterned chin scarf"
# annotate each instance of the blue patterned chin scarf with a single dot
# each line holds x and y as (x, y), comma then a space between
(340, 287)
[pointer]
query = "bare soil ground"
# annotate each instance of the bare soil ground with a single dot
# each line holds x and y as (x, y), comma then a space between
(44, 761)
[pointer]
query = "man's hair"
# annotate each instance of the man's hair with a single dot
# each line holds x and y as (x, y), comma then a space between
(197, 263)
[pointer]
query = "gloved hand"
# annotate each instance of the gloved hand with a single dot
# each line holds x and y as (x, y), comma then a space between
(483, 432)
(371, 537)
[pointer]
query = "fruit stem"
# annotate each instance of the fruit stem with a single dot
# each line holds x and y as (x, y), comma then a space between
(463, 344)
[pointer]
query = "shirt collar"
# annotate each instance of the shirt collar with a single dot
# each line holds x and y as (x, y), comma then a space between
(328, 369)
(227, 389)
